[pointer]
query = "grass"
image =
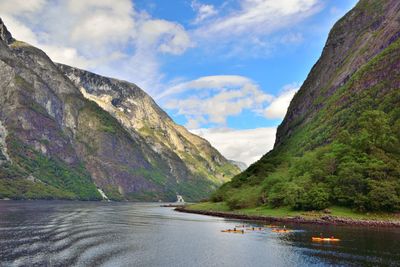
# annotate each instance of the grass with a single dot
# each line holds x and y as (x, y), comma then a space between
(72, 180)
(341, 212)
(219, 206)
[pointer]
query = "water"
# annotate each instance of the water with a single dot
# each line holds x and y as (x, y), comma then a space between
(45, 233)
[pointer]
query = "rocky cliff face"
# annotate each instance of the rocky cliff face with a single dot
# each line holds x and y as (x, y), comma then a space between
(139, 114)
(355, 39)
(57, 143)
(339, 143)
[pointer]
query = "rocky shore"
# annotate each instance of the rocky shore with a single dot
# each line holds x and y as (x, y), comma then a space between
(328, 219)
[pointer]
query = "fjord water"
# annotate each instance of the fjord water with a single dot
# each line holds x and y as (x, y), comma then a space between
(52, 233)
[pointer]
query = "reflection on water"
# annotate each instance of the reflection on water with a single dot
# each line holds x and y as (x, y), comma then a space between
(45, 233)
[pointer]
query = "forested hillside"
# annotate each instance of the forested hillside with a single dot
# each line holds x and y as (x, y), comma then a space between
(339, 142)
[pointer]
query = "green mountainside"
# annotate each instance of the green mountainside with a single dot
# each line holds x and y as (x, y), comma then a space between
(339, 142)
(60, 142)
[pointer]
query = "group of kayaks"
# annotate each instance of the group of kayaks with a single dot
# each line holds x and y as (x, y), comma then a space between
(240, 229)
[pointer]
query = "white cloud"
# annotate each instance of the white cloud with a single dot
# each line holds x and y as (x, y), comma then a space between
(255, 28)
(261, 17)
(106, 36)
(203, 11)
(212, 99)
(16, 7)
(58, 53)
(208, 82)
(241, 145)
(217, 98)
(168, 37)
(278, 107)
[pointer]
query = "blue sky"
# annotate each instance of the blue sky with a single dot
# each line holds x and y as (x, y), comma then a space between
(226, 69)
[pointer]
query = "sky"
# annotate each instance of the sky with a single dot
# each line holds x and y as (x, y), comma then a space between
(225, 69)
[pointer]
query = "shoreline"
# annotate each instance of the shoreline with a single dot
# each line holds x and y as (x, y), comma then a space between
(325, 220)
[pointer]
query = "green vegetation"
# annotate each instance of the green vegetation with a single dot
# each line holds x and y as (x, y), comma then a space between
(103, 121)
(24, 189)
(347, 155)
(112, 193)
(336, 211)
(54, 175)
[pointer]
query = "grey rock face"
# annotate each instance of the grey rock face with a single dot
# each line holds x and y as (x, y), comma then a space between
(3, 146)
(53, 129)
(354, 40)
(5, 35)
(187, 155)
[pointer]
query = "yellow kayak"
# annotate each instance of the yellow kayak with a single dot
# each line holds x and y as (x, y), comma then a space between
(271, 226)
(325, 239)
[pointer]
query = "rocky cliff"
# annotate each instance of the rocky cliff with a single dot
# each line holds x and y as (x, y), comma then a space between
(339, 141)
(62, 139)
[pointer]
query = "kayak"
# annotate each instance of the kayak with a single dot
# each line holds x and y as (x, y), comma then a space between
(327, 239)
(281, 231)
(233, 231)
(271, 226)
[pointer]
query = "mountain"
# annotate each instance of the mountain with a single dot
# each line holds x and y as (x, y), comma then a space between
(339, 141)
(63, 138)
(241, 165)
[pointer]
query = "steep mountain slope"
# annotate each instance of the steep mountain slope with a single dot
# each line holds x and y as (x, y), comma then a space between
(137, 111)
(55, 143)
(339, 141)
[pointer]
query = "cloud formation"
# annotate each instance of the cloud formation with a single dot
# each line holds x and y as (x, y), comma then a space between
(212, 99)
(260, 17)
(106, 36)
(203, 11)
(115, 39)
(246, 146)
(279, 105)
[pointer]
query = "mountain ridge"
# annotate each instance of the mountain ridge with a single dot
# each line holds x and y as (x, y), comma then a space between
(339, 141)
(55, 143)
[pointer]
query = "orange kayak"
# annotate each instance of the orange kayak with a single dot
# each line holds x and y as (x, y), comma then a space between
(281, 231)
(324, 239)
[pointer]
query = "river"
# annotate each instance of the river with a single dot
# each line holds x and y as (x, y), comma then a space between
(57, 233)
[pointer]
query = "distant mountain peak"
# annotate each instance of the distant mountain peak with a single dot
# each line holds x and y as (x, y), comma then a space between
(5, 35)
(241, 165)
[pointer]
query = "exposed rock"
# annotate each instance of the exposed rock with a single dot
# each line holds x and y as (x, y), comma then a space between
(340, 137)
(3, 145)
(354, 40)
(5, 35)
(139, 114)
(58, 134)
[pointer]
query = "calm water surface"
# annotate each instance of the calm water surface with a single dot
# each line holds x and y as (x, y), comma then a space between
(45, 233)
